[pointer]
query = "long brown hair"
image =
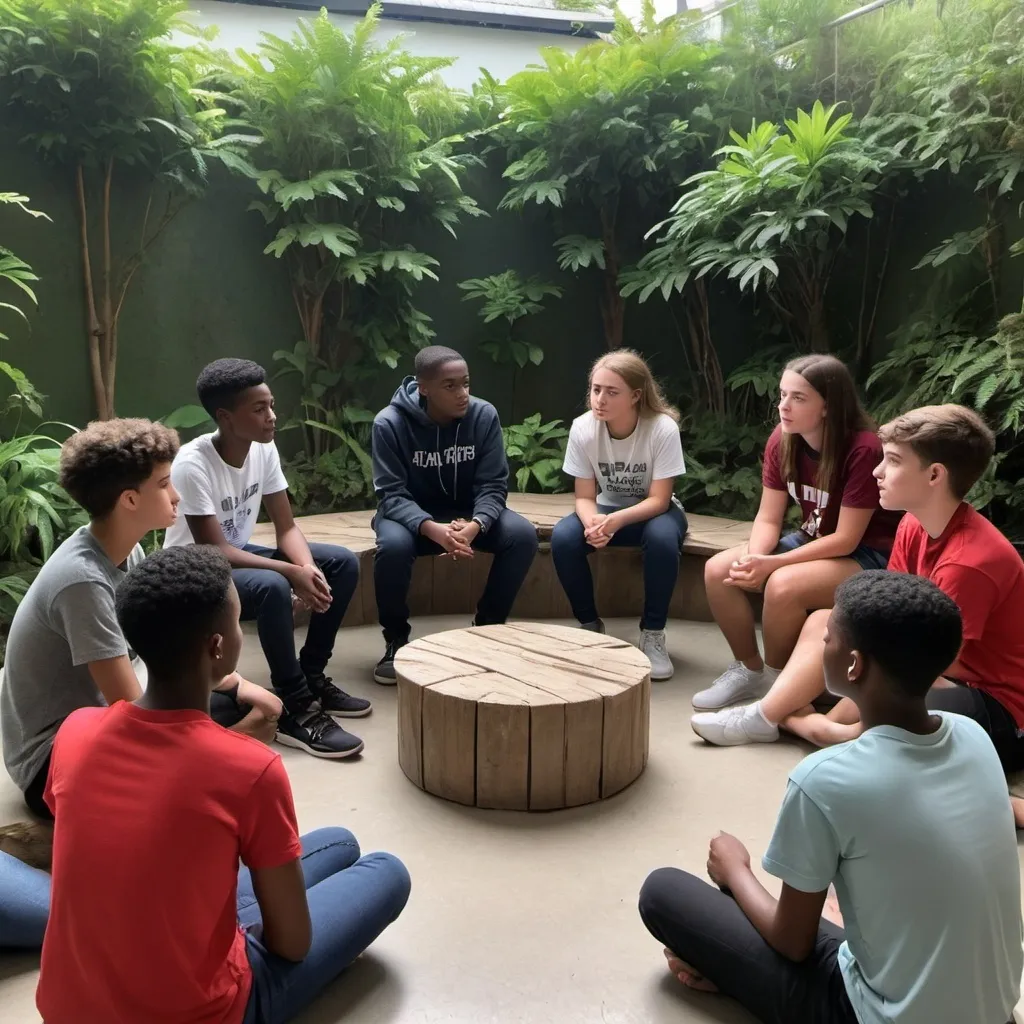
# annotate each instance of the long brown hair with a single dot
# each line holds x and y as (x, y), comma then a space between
(844, 416)
(632, 368)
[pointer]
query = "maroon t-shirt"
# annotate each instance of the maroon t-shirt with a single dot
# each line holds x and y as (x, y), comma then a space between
(857, 487)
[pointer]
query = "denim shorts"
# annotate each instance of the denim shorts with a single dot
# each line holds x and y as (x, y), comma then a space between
(865, 557)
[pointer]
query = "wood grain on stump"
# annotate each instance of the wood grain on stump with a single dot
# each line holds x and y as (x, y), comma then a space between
(522, 717)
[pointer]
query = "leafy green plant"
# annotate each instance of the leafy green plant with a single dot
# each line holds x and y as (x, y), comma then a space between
(356, 147)
(510, 298)
(594, 137)
(722, 475)
(537, 450)
(770, 216)
(14, 271)
(334, 481)
(102, 92)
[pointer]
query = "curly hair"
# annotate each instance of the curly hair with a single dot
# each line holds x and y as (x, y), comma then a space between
(107, 458)
(171, 602)
(221, 382)
(909, 627)
(951, 435)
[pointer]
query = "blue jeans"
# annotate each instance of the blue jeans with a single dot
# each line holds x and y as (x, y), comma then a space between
(24, 904)
(661, 539)
(511, 539)
(865, 557)
(351, 901)
(266, 596)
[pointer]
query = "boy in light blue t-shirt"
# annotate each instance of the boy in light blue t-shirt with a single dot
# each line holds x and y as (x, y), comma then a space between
(912, 824)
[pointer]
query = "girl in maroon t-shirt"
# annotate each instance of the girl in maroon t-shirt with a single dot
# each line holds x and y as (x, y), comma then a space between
(821, 456)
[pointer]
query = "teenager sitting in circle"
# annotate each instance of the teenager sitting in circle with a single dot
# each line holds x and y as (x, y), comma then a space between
(912, 824)
(441, 479)
(151, 920)
(821, 455)
(625, 454)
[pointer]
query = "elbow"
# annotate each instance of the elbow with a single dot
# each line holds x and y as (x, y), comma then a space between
(294, 949)
(796, 951)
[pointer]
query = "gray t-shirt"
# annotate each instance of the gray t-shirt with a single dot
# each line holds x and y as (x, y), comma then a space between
(65, 621)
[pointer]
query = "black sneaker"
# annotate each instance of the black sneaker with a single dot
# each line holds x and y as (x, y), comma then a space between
(336, 702)
(317, 734)
(384, 673)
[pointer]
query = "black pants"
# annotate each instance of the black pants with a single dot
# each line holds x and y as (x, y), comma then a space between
(36, 788)
(704, 927)
(511, 539)
(266, 596)
(989, 714)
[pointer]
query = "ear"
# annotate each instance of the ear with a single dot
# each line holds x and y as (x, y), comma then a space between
(855, 668)
(129, 500)
(215, 648)
(937, 474)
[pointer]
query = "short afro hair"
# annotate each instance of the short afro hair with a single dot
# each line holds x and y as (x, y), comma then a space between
(107, 458)
(220, 383)
(909, 627)
(429, 360)
(170, 603)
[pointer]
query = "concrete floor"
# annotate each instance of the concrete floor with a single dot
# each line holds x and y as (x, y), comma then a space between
(517, 918)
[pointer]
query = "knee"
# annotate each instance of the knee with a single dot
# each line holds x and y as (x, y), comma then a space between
(321, 838)
(395, 544)
(395, 878)
(336, 563)
(568, 534)
(785, 585)
(658, 890)
(663, 534)
(520, 535)
(814, 627)
(272, 591)
(716, 568)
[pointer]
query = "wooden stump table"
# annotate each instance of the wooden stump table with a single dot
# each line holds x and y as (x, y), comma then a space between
(524, 716)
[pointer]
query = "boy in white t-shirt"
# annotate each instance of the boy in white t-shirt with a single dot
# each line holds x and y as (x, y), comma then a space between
(222, 479)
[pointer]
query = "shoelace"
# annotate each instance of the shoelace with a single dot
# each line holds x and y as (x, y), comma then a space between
(657, 642)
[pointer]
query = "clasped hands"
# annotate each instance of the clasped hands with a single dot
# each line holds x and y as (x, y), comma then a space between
(600, 529)
(310, 587)
(751, 572)
(455, 537)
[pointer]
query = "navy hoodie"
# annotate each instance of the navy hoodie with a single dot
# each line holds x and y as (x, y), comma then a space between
(422, 470)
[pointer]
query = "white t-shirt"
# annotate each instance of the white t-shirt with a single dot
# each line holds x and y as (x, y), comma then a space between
(210, 487)
(624, 467)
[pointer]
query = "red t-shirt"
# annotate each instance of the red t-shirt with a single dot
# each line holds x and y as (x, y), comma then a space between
(153, 811)
(858, 487)
(980, 569)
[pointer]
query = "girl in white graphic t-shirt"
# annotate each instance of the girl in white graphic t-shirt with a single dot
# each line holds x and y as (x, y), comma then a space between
(625, 454)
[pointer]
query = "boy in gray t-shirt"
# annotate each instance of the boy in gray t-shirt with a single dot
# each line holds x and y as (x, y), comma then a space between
(65, 650)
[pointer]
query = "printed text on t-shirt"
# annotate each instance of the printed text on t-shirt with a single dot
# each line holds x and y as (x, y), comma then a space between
(624, 477)
(445, 456)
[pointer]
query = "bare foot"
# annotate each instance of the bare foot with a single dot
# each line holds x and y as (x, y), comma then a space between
(687, 975)
(831, 911)
(1017, 803)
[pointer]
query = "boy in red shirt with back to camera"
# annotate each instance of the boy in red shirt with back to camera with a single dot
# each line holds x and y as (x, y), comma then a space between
(155, 804)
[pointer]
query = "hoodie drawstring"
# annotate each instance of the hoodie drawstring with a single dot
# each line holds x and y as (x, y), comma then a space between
(437, 448)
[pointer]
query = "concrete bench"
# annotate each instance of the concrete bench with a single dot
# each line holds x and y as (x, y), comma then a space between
(441, 586)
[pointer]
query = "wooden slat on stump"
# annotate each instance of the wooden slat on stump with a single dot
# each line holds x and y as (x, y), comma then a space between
(526, 716)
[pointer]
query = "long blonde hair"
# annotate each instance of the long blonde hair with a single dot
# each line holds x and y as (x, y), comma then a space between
(632, 368)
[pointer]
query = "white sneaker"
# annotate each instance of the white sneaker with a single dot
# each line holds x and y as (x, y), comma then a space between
(652, 643)
(734, 726)
(735, 684)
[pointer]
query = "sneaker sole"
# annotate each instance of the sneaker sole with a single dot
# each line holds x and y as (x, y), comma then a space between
(334, 755)
(349, 714)
(384, 680)
(661, 678)
(747, 697)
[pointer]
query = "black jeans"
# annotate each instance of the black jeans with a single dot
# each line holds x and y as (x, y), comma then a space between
(266, 596)
(36, 788)
(660, 539)
(511, 539)
(989, 714)
(704, 927)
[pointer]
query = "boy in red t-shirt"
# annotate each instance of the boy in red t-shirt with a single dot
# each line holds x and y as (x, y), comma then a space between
(155, 805)
(932, 458)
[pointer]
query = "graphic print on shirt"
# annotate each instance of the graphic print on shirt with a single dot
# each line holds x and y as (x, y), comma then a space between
(624, 477)
(234, 526)
(449, 456)
(811, 496)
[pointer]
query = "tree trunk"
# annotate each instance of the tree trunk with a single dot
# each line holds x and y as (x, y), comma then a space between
(94, 330)
(705, 359)
(613, 305)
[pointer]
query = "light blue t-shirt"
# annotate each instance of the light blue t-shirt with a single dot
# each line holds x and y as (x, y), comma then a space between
(918, 835)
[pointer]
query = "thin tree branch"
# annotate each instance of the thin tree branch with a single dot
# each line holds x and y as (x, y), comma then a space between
(92, 321)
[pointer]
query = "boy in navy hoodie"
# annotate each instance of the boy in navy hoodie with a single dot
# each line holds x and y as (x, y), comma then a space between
(441, 479)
